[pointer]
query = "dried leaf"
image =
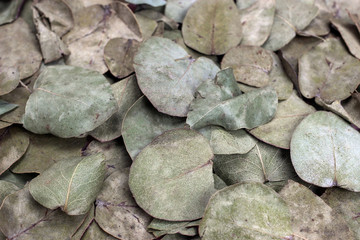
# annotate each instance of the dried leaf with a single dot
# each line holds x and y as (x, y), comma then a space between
(95, 232)
(350, 34)
(246, 211)
(19, 96)
(6, 188)
(9, 10)
(68, 102)
(216, 31)
(153, 3)
(177, 9)
(186, 169)
(71, 184)
(324, 151)
(170, 81)
(6, 107)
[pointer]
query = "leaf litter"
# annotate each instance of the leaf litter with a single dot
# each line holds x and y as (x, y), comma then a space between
(198, 119)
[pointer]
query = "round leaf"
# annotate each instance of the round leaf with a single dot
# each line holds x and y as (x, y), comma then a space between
(177, 10)
(324, 151)
(246, 211)
(68, 102)
(176, 161)
(289, 114)
(216, 31)
(168, 76)
(251, 65)
(329, 72)
(71, 184)
(142, 123)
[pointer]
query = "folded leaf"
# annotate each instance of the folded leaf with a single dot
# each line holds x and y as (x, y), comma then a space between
(6, 107)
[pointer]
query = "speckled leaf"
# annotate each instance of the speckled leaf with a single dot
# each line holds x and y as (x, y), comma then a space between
(117, 212)
(230, 142)
(19, 59)
(142, 123)
(251, 65)
(178, 160)
(9, 10)
(345, 204)
(349, 109)
(218, 182)
(45, 150)
(324, 151)
(311, 217)
(246, 211)
(119, 54)
(329, 72)
(291, 16)
(71, 184)
(153, 3)
(6, 188)
(68, 102)
(13, 144)
(6, 107)
(170, 81)
(29, 220)
(52, 47)
(248, 110)
(350, 34)
(212, 27)
(177, 9)
(264, 163)
(90, 217)
(340, 8)
(116, 157)
(86, 41)
(95, 232)
(289, 114)
(320, 25)
(18, 96)
(126, 93)
(279, 80)
(257, 21)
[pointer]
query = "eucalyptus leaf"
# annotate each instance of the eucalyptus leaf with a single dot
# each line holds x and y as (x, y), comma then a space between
(218, 182)
(186, 169)
(161, 227)
(6, 188)
(86, 41)
(177, 9)
(216, 31)
(6, 107)
(230, 142)
(345, 204)
(147, 26)
(320, 25)
(251, 64)
(341, 8)
(311, 217)
(116, 157)
(117, 212)
(218, 102)
(142, 123)
(95, 232)
(246, 211)
(4, 124)
(291, 16)
(126, 93)
(13, 144)
(328, 72)
(68, 102)
(350, 34)
(170, 81)
(39, 222)
(279, 130)
(71, 184)
(264, 164)
(90, 216)
(15, 67)
(9, 10)
(324, 151)
(257, 21)
(19, 96)
(162, 20)
(45, 150)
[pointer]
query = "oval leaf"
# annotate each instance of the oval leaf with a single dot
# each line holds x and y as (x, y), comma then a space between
(168, 76)
(176, 161)
(71, 184)
(324, 151)
(68, 102)
(246, 211)
(216, 31)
